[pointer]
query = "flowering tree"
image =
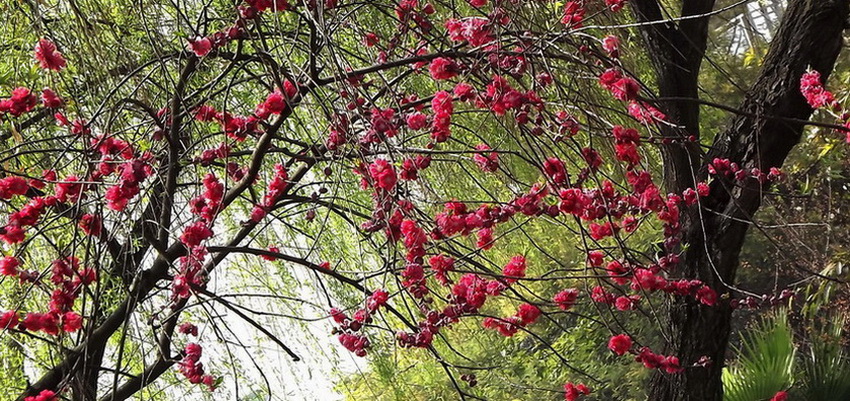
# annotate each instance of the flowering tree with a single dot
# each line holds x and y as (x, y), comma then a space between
(127, 193)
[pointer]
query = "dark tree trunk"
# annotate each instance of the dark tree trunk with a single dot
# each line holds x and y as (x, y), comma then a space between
(810, 36)
(84, 383)
(676, 51)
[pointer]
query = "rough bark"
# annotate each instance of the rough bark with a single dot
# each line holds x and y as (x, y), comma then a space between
(810, 36)
(676, 51)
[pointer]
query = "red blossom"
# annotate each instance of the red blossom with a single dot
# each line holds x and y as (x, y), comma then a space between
(201, 46)
(441, 265)
(91, 224)
(21, 101)
(354, 343)
(573, 14)
(812, 89)
(463, 92)
(9, 266)
(486, 161)
(627, 303)
(71, 322)
(9, 320)
(443, 109)
(416, 121)
(12, 234)
(13, 186)
(188, 329)
(573, 392)
(370, 39)
(600, 231)
(383, 175)
(780, 396)
(49, 99)
(620, 344)
(615, 5)
(645, 113)
(443, 68)
(514, 269)
(44, 395)
(271, 258)
(598, 294)
(485, 238)
(506, 327)
(47, 56)
(193, 369)
(195, 233)
(475, 30)
(611, 45)
(706, 296)
(556, 171)
(566, 298)
(528, 314)
(377, 299)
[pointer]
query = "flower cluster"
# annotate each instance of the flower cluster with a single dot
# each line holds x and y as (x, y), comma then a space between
(620, 344)
(68, 277)
(277, 101)
(12, 186)
(350, 326)
(193, 369)
(188, 329)
(811, 86)
(132, 174)
(441, 265)
(526, 314)
(21, 101)
(573, 392)
(500, 97)
(191, 269)
(443, 109)
(555, 170)
(443, 68)
(476, 31)
(726, 168)
(47, 56)
(50, 99)
(621, 87)
(626, 142)
(488, 162)
(812, 89)
(202, 46)
(467, 297)
(15, 230)
(573, 14)
(207, 205)
(651, 360)
(44, 395)
(515, 269)
(645, 113)
(383, 175)
(410, 167)
(236, 127)
(276, 189)
(566, 299)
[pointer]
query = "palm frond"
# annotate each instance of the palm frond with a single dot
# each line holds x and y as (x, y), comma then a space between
(825, 368)
(765, 362)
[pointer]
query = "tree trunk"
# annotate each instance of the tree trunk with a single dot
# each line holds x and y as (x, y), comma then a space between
(810, 36)
(676, 51)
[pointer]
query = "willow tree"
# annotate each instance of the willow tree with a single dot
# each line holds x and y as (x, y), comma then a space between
(130, 188)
